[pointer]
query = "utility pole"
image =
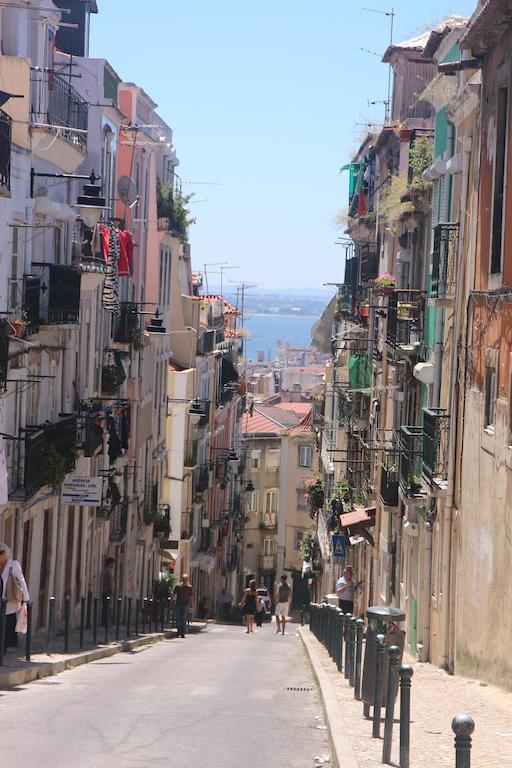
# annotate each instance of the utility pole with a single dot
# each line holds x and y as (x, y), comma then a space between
(391, 15)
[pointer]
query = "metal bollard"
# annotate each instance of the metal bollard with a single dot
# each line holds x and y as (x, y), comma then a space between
(88, 616)
(151, 616)
(359, 628)
(95, 621)
(380, 646)
(51, 624)
(144, 613)
(129, 618)
(352, 638)
(169, 611)
(67, 622)
(83, 610)
(3, 606)
(342, 618)
(28, 636)
(406, 673)
(302, 616)
(137, 616)
(162, 615)
(394, 654)
(348, 616)
(118, 616)
(463, 726)
(107, 617)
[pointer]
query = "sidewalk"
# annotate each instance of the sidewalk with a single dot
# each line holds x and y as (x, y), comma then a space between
(16, 671)
(436, 698)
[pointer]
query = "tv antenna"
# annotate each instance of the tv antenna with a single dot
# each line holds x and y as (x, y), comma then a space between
(391, 15)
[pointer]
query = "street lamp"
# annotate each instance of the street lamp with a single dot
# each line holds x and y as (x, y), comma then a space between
(90, 204)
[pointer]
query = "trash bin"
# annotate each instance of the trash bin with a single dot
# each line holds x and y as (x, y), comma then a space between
(382, 620)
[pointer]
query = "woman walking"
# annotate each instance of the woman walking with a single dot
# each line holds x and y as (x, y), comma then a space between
(14, 590)
(249, 604)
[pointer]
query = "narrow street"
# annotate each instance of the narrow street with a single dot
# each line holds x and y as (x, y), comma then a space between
(217, 699)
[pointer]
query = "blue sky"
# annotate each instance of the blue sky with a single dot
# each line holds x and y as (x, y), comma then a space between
(264, 99)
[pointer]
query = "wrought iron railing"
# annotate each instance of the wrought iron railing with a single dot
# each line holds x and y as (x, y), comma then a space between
(126, 327)
(436, 433)
(51, 296)
(268, 562)
(118, 522)
(63, 436)
(389, 485)
(5, 150)
(201, 478)
(444, 260)
(191, 453)
(151, 513)
(410, 444)
(405, 319)
(55, 102)
(187, 523)
(369, 261)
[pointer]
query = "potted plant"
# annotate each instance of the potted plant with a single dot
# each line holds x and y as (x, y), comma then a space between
(415, 484)
(53, 467)
(364, 311)
(385, 284)
(314, 492)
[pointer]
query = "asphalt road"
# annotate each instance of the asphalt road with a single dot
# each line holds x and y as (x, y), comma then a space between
(219, 699)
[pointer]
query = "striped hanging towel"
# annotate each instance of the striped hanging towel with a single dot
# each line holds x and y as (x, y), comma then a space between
(110, 286)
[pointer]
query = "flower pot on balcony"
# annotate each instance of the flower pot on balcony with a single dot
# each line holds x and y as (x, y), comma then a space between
(385, 290)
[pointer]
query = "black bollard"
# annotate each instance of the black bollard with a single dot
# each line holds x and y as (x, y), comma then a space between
(144, 612)
(3, 606)
(151, 615)
(88, 618)
(302, 616)
(394, 654)
(118, 617)
(359, 627)
(342, 635)
(129, 618)
(169, 611)
(95, 621)
(108, 602)
(405, 713)
(137, 616)
(51, 625)
(348, 616)
(463, 726)
(352, 638)
(162, 615)
(83, 608)
(67, 622)
(28, 636)
(380, 646)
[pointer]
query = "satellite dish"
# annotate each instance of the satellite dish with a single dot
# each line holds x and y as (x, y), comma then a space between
(127, 190)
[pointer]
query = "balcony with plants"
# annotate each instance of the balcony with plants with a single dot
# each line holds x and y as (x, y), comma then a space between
(405, 323)
(126, 327)
(444, 264)
(389, 480)
(409, 440)
(436, 442)
(51, 296)
(172, 210)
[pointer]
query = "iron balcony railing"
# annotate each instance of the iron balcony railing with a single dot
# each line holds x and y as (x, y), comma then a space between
(268, 562)
(126, 328)
(201, 478)
(5, 150)
(51, 296)
(444, 260)
(56, 103)
(63, 436)
(389, 485)
(119, 522)
(162, 526)
(191, 453)
(405, 320)
(410, 444)
(232, 558)
(151, 513)
(436, 433)
(369, 261)
(187, 524)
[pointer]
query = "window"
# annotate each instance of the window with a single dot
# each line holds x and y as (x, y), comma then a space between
(253, 502)
(301, 501)
(305, 455)
(499, 179)
(271, 501)
(15, 257)
(269, 546)
(299, 536)
(255, 459)
(490, 397)
(273, 458)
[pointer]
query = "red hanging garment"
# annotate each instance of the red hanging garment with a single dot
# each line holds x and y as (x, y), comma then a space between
(123, 264)
(127, 240)
(104, 235)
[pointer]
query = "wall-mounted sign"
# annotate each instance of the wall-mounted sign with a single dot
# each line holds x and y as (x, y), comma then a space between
(338, 546)
(82, 491)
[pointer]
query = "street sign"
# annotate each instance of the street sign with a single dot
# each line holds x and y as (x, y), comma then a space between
(338, 546)
(86, 491)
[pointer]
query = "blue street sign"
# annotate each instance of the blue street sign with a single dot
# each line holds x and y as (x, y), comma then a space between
(338, 546)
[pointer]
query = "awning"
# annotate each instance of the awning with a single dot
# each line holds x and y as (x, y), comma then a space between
(321, 332)
(360, 517)
(169, 554)
(204, 562)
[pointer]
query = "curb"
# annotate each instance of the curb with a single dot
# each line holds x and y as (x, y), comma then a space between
(344, 754)
(42, 669)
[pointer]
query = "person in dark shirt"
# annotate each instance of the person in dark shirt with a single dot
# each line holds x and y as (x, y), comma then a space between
(182, 597)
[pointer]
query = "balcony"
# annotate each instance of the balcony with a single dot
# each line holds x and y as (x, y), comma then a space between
(232, 558)
(202, 478)
(436, 433)
(389, 486)
(410, 446)
(444, 264)
(162, 526)
(59, 121)
(369, 261)
(269, 520)
(126, 327)
(405, 323)
(151, 513)
(62, 435)
(51, 296)
(268, 562)
(187, 524)
(5, 152)
(191, 453)
(118, 522)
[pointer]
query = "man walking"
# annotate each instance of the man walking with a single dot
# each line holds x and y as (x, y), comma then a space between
(182, 597)
(282, 598)
(107, 591)
(345, 588)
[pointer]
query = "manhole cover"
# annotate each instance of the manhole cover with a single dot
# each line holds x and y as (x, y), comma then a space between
(299, 688)
(46, 682)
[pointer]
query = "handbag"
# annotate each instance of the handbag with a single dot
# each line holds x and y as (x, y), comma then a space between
(13, 590)
(21, 622)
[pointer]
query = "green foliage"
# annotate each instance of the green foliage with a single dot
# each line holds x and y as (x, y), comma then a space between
(420, 158)
(172, 204)
(162, 590)
(390, 202)
(53, 467)
(308, 546)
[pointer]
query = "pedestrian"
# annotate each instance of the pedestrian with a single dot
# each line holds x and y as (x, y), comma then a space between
(260, 611)
(345, 588)
(14, 590)
(249, 604)
(182, 597)
(107, 591)
(225, 603)
(282, 598)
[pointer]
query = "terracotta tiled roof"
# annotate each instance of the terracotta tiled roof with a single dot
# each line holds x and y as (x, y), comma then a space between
(298, 408)
(305, 426)
(229, 308)
(259, 423)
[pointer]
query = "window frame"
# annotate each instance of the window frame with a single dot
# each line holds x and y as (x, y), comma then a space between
(298, 537)
(498, 218)
(309, 450)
